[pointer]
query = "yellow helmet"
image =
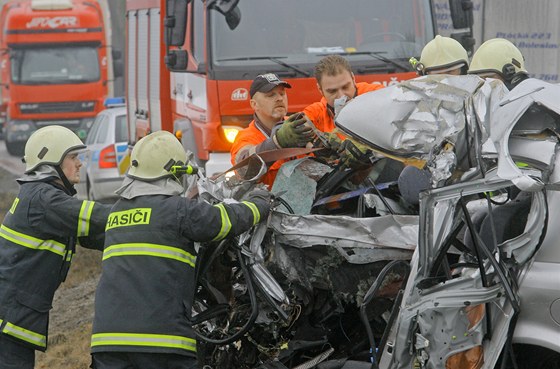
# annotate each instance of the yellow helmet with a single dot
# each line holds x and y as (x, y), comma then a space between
(500, 56)
(153, 156)
(443, 53)
(49, 145)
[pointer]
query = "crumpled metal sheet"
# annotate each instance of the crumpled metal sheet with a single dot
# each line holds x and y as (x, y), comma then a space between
(358, 240)
(523, 111)
(412, 117)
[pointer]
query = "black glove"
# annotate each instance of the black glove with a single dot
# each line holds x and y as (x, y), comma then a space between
(259, 195)
(294, 132)
(261, 198)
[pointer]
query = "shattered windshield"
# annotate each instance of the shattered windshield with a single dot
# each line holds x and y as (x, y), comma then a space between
(297, 31)
(55, 65)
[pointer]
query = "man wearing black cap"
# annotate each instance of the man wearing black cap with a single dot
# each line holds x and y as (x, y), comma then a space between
(270, 129)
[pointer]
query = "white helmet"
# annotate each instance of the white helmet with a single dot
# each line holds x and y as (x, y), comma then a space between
(49, 145)
(444, 54)
(153, 156)
(499, 56)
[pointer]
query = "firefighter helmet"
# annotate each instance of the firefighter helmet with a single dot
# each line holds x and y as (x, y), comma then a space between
(49, 145)
(499, 56)
(153, 156)
(443, 54)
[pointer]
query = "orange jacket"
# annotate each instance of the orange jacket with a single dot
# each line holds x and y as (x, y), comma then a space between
(322, 117)
(253, 136)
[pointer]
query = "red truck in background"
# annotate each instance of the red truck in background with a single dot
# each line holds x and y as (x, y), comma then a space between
(55, 66)
(190, 63)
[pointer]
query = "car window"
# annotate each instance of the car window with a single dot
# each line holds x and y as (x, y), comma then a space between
(94, 130)
(103, 130)
(121, 129)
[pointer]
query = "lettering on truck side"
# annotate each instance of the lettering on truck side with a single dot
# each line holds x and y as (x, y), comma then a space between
(129, 218)
(52, 22)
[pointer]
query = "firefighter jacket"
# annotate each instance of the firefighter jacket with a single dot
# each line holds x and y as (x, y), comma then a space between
(323, 117)
(253, 136)
(37, 242)
(144, 297)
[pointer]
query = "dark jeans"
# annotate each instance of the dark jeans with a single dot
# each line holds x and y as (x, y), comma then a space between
(139, 360)
(14, 355)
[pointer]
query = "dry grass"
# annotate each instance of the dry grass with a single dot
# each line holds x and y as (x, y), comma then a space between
(72, 314)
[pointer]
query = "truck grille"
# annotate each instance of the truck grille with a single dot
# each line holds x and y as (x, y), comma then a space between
(57, 107)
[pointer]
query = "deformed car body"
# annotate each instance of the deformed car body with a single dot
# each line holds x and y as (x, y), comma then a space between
(477, 294)
(358, 278)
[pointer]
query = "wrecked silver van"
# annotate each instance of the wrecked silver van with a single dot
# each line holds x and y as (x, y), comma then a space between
(452, 263)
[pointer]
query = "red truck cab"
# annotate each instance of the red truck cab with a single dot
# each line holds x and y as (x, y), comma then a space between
(192, 76)
(54, 66)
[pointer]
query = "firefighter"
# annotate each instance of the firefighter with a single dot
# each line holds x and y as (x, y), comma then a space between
(499, 58)
(38, 239)
(145, 294)
(270, 129)
(442, 55)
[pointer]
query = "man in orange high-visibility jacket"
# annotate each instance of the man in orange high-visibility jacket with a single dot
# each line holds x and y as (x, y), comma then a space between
(270, 129)
(337, 84)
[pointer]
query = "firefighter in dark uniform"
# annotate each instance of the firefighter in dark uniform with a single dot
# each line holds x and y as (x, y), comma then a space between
(38, 239)
(144, 297)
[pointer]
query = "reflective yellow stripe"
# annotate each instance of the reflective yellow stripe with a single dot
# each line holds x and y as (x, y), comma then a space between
(255, 210)
(149, 249)
(14, 205)
(142, 339)
(31, 242)
(25, 335)
(226, 223)
(84, 217)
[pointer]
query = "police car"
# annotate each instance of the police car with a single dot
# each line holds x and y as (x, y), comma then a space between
(106, 160)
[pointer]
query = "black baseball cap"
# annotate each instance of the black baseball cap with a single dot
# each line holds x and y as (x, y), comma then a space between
(266, 82)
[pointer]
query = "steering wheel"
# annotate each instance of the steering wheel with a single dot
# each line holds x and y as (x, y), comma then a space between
(375, 36)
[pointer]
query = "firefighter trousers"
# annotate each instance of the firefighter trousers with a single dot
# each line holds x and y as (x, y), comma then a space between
(140, 360)
(14, 355)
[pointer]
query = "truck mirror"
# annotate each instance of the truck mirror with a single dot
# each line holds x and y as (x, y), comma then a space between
(229, 9)
(176, 59)
(466, 40)
(118, 68)
(175, 22)
(223, 6)
(233, 18)
(461, 13)
(117, 54)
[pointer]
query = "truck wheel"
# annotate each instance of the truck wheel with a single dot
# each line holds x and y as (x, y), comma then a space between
(15, 148)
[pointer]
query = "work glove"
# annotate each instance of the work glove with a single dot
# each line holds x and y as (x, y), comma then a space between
(332, 141)
(354, 154)
(294, 132)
